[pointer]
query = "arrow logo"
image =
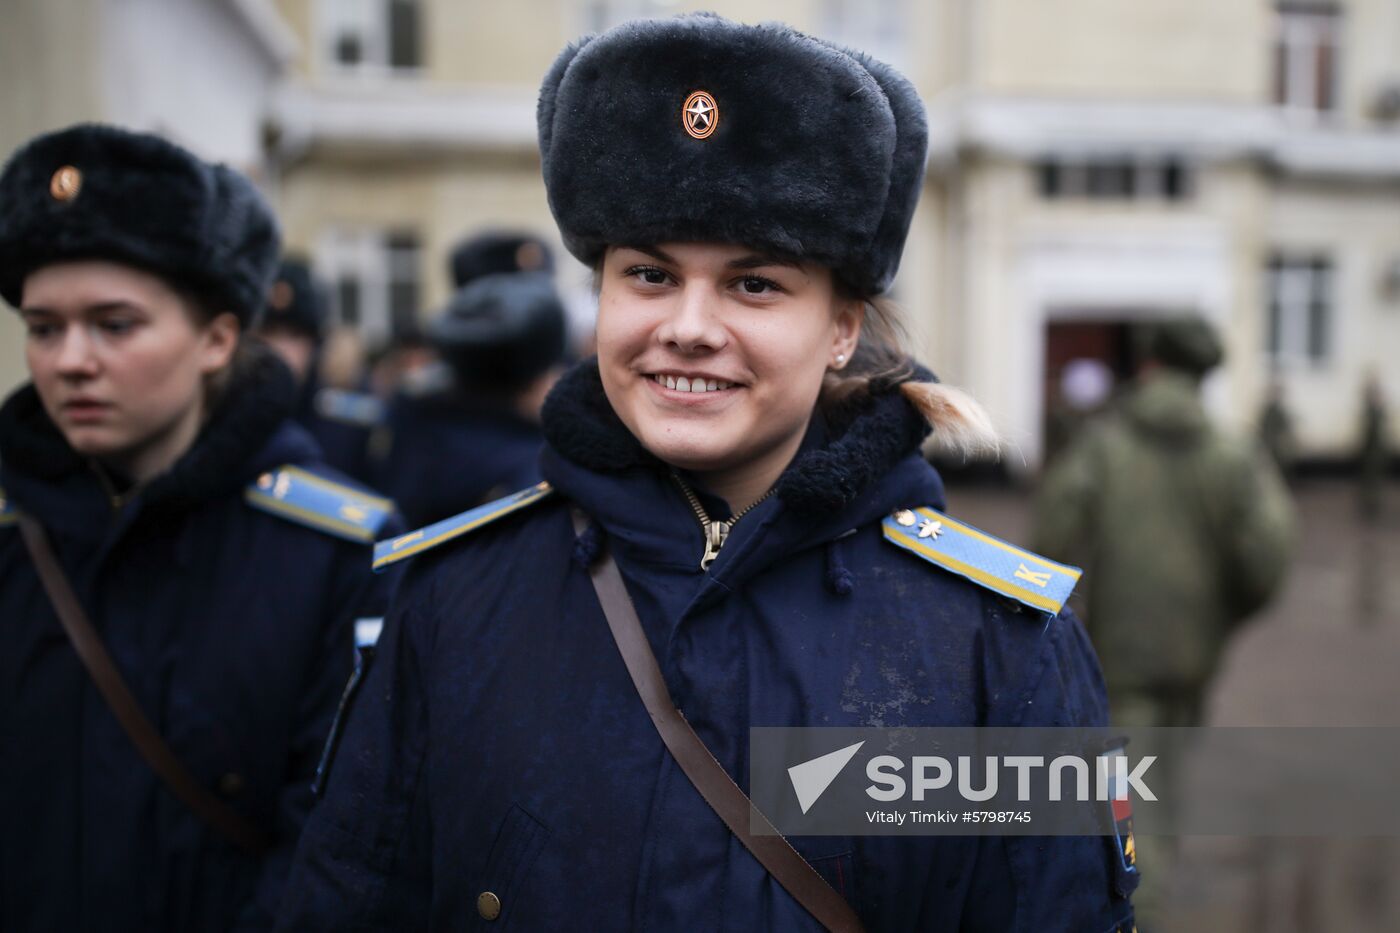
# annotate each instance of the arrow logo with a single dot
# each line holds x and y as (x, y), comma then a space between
(811, 778)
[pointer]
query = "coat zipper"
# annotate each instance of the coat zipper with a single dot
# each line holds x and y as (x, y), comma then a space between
(715, 532)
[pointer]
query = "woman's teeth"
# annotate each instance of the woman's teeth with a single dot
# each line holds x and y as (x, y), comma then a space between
(684, 384)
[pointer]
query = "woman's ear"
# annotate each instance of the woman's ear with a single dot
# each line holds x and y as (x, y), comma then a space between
(850, 315)
(220, 340)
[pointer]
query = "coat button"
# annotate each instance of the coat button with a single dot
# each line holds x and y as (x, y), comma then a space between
(488, 905)
(232, 784)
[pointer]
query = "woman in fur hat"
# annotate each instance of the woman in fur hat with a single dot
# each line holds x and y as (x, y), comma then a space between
(179, 576)
(736, 521)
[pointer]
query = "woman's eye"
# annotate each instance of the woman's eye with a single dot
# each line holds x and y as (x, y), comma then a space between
(758, 285)
(648, 274)
(42, 331)
(117, 326)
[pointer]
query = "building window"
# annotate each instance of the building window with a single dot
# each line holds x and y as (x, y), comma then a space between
(1306, 43)
(1114, 179)
(877, 27)
(372, 35)
(1300, 308)
(376, 283)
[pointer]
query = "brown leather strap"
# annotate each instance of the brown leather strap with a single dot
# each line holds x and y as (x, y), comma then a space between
(88, 645)
(709, 777)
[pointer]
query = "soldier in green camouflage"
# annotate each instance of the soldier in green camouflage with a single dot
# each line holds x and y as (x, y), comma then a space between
(1182, 530)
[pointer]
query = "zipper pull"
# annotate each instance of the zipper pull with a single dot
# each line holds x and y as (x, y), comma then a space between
(716, 533)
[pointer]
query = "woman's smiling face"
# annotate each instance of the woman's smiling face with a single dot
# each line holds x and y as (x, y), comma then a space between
(713, 355)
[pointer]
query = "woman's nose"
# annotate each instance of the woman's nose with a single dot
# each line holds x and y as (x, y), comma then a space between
(695, 324)
(76, 354)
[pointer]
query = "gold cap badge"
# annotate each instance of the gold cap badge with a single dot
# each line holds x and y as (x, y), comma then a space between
(66, 183)
(282, 295)
(700, 115)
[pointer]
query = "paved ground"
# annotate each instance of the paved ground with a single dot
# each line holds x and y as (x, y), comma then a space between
(1327, 652)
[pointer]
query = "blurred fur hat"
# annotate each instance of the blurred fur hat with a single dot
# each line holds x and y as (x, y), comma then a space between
(1188, 343)
(499, 251)
(502, 330)
(99, 192)
(297, 301)
(696, 128)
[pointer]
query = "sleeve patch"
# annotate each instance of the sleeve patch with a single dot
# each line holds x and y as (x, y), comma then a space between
(311, 500)
(988, 561)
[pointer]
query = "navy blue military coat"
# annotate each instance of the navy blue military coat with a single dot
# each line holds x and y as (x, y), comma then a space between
(231, 621)
(499, 745)
(448, 453)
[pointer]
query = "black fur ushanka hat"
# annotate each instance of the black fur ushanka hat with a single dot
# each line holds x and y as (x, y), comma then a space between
(495, 251)
(697, 128)
(100, 192)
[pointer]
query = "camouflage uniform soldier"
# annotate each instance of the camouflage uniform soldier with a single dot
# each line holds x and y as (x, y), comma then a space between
(1182, 532)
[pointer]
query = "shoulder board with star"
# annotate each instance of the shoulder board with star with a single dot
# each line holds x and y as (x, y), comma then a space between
(8, 515)
(359, 409)
(301, 496)
(416, 542)
(1015, 573)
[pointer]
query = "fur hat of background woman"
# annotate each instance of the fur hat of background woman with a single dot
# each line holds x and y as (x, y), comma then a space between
(100, 192)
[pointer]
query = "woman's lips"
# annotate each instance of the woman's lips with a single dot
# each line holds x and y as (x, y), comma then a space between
(85, 410)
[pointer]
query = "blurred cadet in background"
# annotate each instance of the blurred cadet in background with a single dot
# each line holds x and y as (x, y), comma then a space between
(502, 338)
(180, 576)
(1276, 430)
(1373, 456)
(1182, 530)
(339, 418)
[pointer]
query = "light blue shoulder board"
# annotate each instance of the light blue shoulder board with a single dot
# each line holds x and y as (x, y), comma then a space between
(301, 496)
(354, 408)
(416, 542)
(1015, 573)
(7, 510)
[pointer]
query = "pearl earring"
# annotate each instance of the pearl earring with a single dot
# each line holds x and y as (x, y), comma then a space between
(840, 359)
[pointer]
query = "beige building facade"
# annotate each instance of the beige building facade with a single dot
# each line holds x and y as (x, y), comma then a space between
(1093, 163)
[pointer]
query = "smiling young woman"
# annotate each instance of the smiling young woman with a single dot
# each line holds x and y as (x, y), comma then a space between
(150, 468)
(743, 459)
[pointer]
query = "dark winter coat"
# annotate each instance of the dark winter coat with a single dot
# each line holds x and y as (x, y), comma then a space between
(233, 628)
(499, 745)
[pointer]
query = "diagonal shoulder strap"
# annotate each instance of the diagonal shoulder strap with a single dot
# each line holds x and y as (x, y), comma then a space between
(709, 777)
(88, 644)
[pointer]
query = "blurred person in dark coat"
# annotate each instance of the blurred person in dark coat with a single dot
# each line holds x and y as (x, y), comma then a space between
(502, 338)
(341, 420)
(223, 567)
(1373, 455)
(1276, 430)
(1183, 531)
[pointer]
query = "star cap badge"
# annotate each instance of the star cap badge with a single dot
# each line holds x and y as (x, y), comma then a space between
(65, 183)
(700, 115)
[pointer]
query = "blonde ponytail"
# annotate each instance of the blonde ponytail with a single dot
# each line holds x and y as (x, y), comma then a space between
(960, 424)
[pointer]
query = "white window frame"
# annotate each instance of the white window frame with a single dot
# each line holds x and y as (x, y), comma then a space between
(1301, 31)
(1296, 283)
(363, 254)
(330, 15)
